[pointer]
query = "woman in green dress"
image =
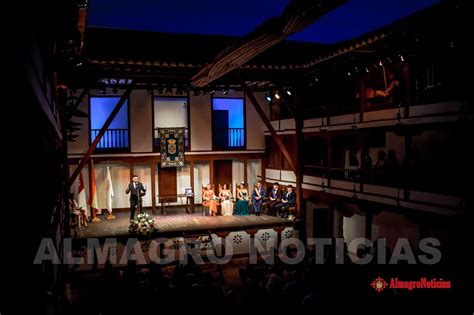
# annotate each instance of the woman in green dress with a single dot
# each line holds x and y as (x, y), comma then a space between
(242, 205)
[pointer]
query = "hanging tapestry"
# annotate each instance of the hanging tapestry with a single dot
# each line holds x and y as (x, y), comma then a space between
(172, 147)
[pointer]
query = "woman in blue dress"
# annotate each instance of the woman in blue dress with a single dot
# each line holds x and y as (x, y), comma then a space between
(242, 205)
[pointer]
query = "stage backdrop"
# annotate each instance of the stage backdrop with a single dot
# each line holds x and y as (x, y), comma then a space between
(172, 147)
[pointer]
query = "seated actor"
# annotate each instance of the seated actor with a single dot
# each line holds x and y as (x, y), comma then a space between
(257, 197)
(288, 200)
(273, 198)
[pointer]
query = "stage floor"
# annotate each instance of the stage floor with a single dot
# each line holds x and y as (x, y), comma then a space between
(178, 223)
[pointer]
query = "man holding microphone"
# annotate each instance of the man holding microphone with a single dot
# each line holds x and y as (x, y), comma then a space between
(137, 190)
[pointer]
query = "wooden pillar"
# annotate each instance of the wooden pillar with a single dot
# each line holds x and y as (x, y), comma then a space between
(404, 183)
(362, 99)
(300, 206)
(245, 172)
(130, 169)
(211, 171)
(153, 187)
(263, 168)
(328, 172)
(93, 214)
(368, 225)
(191, 174)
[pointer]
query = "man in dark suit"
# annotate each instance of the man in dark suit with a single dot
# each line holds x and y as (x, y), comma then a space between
(274, 198)
(288, 200)
(257, 197)
(137, 190)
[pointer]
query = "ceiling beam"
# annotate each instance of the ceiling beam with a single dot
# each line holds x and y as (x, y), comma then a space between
(296, 16)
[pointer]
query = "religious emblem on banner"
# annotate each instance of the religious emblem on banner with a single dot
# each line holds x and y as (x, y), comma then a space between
(172, 147)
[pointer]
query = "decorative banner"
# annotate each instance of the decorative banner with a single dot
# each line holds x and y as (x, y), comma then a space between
(172, 147)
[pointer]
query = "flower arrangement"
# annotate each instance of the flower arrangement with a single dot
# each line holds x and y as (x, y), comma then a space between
(143, 225)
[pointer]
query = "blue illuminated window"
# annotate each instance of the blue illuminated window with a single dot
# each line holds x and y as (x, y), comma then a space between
(117, 135)
(228, 123)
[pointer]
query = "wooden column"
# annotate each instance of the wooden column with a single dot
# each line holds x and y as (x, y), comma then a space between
(368, 225)
(211, 172)
(153, 187)
(245, 172)
(329, 162)
(93, 214)
(191, 174)
(263, 167)
(362, 99)
(130, 169)
(300, 206)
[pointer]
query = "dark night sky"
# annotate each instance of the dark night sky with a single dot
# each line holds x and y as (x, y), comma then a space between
(239, 17)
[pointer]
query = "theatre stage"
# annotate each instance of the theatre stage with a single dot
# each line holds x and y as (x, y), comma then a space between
(176, 223)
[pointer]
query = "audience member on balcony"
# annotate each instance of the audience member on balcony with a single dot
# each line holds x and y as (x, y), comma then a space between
(242, 205)
(392, 167)
(257, 197)
(288, 200)
(274, 198)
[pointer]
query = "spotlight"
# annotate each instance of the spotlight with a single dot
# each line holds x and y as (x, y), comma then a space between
(269, 98)
(113, 81)
(348, 73)
(401, 58)
(226, 91)
(380, 63)
(212, 92)
(288, 92)
(316, 79)
(367, 69)
(277, 96)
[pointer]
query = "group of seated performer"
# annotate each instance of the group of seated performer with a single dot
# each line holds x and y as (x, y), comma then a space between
(225, 195)
(242, 206)
(258, 196)
(209, 199)
(279, 202)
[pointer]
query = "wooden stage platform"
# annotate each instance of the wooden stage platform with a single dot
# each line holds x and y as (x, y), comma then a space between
(176, 224)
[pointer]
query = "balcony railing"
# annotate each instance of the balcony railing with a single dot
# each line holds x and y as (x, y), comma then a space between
(113, 139)
(229, 138)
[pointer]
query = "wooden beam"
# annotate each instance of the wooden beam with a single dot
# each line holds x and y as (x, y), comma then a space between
(245, 171)
(269, 126)
(153, 187)
(99, 136)
(298, 116)
(296, 16)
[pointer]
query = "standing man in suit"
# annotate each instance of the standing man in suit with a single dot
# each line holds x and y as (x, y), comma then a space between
(288, 200)
(137, 190)
(257, 197)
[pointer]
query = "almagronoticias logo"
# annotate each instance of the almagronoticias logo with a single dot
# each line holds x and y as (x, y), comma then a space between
(380, 284)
